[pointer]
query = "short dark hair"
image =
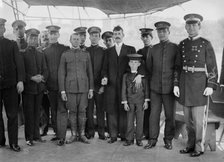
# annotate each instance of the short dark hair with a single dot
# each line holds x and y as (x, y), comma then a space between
(118, 28)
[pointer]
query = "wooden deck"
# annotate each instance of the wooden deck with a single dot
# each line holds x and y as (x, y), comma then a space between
(101, 151)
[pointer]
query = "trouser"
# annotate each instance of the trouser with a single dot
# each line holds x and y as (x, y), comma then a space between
(54, 98)
(194, 117)
(136, 110)
(45, 108)
(100, 115)
(74, 110)
(113, 124)
(146, 122)
(9, 97)
(157, 100)
(32, 106)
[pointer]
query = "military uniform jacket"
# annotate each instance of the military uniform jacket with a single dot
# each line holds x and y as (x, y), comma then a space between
(97, 58)
(11, 64)
(35, 63)
(130, 93)
(161, 65)
(221, 80)
(22, 44)
(196, 53)
(53, 55)
(75, 73)
(144, 52)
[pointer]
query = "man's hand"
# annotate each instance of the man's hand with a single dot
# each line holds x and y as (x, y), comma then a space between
(138, 81)
(64, 97)
(90, 94)
(37, 78)
(20, 87)
(208, 91)
(145, 105)
(101, 90)
(126, 107)
(104, 81)
(176, 91)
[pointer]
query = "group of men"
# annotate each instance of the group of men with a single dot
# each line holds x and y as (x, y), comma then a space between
(80, 79)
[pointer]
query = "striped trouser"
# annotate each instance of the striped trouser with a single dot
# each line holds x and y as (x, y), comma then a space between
(196, 123)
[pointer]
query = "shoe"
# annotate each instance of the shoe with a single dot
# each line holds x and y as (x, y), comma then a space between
(15, 147)
(29, 143)
(112, 140)
(88, 136)
(61, 142)
(102, 137)
(2, 145)
(196, 153)
(151, 144)
(128, 143)
(187, 150)
(54, 139)
(139, 143)
(123, 139)
(71, 139)
(40, 140)
(83, 139)
(168, 145)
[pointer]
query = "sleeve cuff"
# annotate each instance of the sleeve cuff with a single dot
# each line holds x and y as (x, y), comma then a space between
(62, 92)
(124, 102)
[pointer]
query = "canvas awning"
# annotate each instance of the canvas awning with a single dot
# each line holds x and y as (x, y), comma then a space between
(112, 6)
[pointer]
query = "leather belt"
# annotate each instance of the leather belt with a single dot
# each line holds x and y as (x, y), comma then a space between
(193, 69)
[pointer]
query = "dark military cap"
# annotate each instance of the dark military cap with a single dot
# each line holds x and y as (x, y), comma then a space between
(134, 56)
(80, 30)
(162, 25)
(94, 29)
(146, 30)
(18, 24)
(2, 21)
(193, 18)
(32, 31)
(107, 34)
(53, 28)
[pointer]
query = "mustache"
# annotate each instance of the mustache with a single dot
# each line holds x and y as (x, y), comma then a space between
(117, 38)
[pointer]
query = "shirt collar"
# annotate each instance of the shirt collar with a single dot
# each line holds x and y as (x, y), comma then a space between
(75, 48)
(134, 72)
(118, 45)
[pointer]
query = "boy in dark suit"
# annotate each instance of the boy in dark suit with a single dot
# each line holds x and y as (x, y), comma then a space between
(135, 101)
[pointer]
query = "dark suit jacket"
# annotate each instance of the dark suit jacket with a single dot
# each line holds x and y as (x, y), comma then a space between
(11, 64)
(114, 67)
(75, 72)
(97, 58)
(35, 64)
(53, 55)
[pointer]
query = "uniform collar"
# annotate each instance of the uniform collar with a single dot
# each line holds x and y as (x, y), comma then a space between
(194, 38)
